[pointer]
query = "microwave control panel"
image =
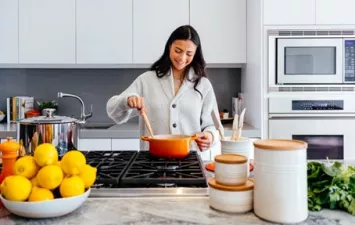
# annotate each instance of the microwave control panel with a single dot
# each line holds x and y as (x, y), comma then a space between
(318, 105)
(349, 60)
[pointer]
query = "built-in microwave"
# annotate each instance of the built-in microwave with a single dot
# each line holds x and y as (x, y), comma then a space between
(314, 60)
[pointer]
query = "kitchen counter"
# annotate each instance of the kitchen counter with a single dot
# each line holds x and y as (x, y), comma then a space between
(7, 130)
(129, 130)
(160, 210)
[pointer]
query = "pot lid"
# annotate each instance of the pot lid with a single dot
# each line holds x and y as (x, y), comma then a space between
(48, 118)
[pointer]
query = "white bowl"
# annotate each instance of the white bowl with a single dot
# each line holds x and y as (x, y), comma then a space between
(2, 116)
(46, 209)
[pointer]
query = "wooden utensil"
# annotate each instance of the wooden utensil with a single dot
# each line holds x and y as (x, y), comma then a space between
(147, 124)
(240, 124)
(235, 127)
(217, 123)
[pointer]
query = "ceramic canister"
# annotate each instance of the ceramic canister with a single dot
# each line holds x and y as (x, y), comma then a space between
(231, 169)
(280, 179)
(243, 146)
(232, 199)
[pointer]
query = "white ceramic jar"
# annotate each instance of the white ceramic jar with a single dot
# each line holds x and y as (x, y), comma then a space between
(243, 146)
(231, 199)
(280, 179)
(231, 169)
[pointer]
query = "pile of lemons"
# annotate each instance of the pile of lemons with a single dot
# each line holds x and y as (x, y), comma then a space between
(43, 177)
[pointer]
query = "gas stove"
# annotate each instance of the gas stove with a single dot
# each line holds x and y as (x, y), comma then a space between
(137, 173)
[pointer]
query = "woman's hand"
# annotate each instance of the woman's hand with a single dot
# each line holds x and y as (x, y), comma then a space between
(204, 141)
(137, 103)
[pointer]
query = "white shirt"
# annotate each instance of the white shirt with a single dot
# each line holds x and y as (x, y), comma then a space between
(184, 113)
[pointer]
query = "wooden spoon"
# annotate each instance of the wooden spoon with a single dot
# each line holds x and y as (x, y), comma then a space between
(147, 123)
(235, 127)
(240, 124)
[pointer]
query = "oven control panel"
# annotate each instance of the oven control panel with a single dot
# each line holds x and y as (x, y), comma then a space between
(349, 61)
(317, 105)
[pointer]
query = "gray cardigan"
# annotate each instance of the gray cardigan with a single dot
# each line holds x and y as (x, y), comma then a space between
(184, 113)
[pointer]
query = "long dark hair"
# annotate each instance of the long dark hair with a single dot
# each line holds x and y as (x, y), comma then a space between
(162, 66)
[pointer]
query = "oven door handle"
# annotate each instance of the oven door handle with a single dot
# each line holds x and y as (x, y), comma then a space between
(312, 116)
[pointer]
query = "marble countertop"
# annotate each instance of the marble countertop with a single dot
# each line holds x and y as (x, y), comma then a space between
(129, 130)
(7, 130)
(163, 210)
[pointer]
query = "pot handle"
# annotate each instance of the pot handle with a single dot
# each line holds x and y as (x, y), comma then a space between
(194, 137)
(145, 138)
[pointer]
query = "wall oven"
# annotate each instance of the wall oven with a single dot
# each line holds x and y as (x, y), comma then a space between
(327, 124)
(311, 57)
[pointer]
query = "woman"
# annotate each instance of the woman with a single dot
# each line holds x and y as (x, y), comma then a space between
(175, 93)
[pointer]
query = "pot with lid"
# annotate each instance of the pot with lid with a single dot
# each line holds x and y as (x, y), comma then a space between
(61, 131)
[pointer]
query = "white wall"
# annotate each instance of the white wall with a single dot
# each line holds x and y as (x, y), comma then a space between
(252, 74)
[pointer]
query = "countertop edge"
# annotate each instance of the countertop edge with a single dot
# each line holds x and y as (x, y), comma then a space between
(128, 130)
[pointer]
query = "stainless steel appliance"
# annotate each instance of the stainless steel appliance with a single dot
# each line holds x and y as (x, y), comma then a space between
(61, 131)
(311, 57)
(326, 122)
(137, 173)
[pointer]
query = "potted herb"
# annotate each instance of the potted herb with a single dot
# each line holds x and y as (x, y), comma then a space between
(47, 105)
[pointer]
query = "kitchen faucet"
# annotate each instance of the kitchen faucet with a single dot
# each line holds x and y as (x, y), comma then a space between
(84, 116)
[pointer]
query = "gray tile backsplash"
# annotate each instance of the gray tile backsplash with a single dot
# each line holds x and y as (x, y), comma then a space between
(96, 86)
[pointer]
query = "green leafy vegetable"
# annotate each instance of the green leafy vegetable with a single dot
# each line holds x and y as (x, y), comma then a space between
(331, 186)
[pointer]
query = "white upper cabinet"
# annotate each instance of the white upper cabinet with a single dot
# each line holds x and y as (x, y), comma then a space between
(153, 22)
(221, 25)
(337, 12)
(8, 31)
(104, 31)
(290, 12)
(47, 31)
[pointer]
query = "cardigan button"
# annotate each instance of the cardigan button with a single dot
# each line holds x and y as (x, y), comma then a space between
(174, 125)
(174, 105)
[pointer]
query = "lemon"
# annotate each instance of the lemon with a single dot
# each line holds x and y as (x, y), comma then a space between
(49, 177)
(88, 175)
(40, 194)
(26, 166)
(16, 188)
(73, 162)
(72, 186)
(45, 154)
(59, 163)
(34, 182)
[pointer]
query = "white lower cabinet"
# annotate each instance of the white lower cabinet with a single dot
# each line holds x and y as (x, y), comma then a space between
(215, 150)
(95, 144)
(125, 144)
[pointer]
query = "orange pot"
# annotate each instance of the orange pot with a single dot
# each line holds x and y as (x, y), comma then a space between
(170, 146)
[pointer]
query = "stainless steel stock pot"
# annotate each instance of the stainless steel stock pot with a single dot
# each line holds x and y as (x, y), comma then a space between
(61, 131)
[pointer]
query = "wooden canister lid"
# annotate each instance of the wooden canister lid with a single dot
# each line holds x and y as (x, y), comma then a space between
(280, 144)
(249, 185)
(231, 159)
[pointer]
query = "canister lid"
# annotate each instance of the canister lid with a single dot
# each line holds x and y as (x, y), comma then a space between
(280, 144)
(231, 159)
(249, 185)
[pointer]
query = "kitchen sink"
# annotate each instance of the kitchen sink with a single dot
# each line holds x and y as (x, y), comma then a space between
(96, 126)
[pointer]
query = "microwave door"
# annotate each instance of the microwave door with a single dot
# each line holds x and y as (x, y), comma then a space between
(331, 138)
(309, 61)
